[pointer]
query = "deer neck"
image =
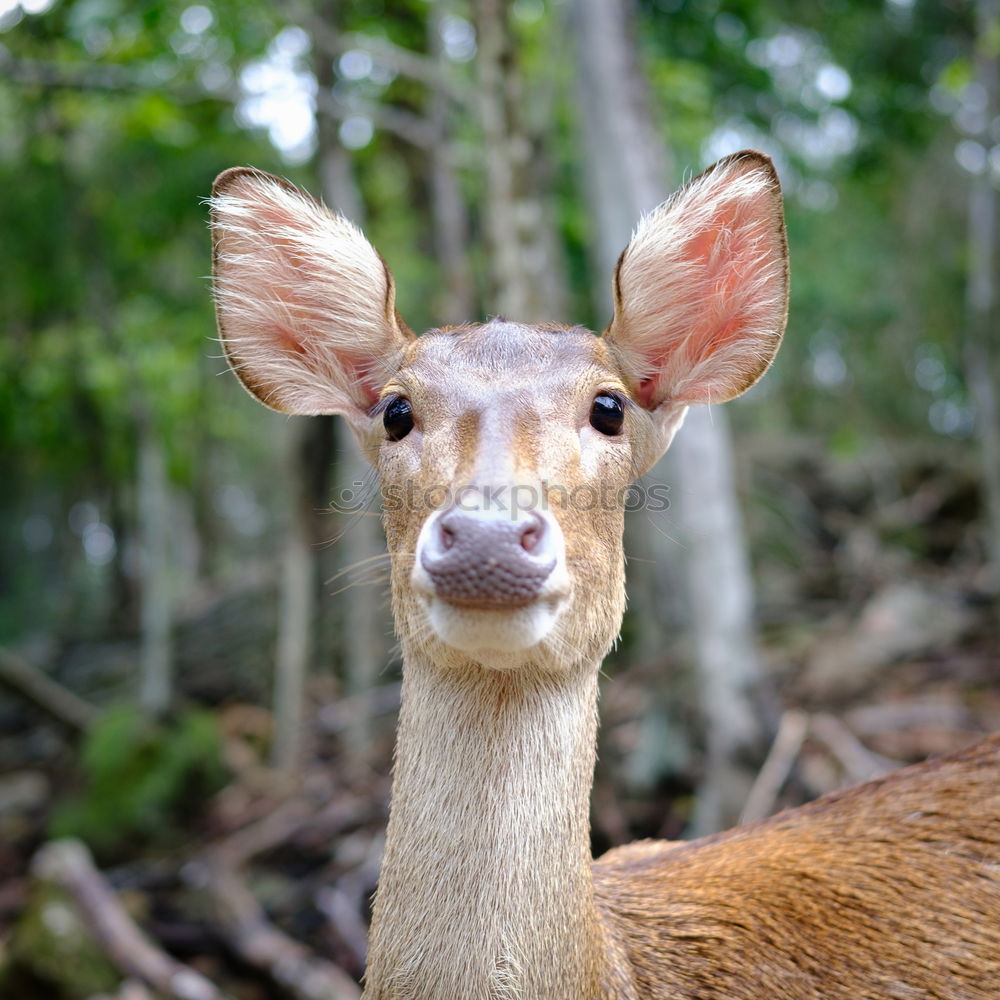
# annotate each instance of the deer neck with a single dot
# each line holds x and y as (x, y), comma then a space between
(485, 891)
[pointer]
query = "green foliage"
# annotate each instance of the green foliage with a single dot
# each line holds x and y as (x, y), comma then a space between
(142, 779)
(52, 954)
(107, 319)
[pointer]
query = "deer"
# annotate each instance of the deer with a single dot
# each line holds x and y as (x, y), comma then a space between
(503, 450)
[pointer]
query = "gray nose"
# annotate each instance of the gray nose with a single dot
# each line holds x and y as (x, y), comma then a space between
(482, 560)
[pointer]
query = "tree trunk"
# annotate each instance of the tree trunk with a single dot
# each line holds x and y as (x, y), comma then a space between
(451, 222)
(364, 626)
(528, 279)
(363, 613)
(720, 590)
(981, 295)
(156, 652)
(626, 164)
(297, 599)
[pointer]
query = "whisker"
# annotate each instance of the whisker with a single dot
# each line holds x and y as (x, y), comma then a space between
(354, 566)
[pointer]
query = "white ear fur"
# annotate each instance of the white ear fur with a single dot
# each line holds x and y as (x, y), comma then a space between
(305, 305)
(701, 291)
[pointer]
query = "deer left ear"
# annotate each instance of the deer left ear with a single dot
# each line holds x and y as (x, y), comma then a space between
(306, 307)
(701, 291)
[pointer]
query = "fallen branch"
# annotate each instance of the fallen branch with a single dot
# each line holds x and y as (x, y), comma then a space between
(277, 827)
(131, 989)
(860, 763)
(241, 920)
(343, 902)
(774, 773)
(337, 716)
(247, 931)
(260, 835)
(342, 909)
(49, 695)
(872, 720)
(68, 865)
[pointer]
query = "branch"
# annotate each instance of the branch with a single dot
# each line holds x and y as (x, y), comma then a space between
(131, 989)
(89, 76)
(343, 910)
(411, 128)
(774, 773)
(260, 835)
(106, 77)
(246, 929)
(336, 717)
(244, 924)
(68, 865)
(414, 129)
(343, 902)
(43, 691)
(403, 61)
(860, 763)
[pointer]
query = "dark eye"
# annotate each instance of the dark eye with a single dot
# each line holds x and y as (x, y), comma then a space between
(398, 419)
(607, 414)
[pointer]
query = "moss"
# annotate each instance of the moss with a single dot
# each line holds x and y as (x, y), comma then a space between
(51, 953)
(143, 779)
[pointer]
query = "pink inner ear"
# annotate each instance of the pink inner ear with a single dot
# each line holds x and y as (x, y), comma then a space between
(304, 343)
(361, 372)
(304, 325)
(356, 366)
(721, 301)
(647, 391)
(288, 340)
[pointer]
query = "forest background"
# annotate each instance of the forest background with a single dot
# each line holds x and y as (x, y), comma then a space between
(198, 677)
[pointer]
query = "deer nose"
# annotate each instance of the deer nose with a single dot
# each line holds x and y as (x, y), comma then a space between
(477, 559)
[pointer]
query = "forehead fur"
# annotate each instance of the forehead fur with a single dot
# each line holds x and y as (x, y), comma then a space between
(508, 352)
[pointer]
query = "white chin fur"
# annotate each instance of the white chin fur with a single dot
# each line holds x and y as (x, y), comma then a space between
(494, 638)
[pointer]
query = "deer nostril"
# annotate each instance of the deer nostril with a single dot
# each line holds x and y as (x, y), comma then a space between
(447, 537)
(531, 537)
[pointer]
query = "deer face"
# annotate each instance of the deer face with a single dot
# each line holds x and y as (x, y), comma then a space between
(504, 450)
(504, 457)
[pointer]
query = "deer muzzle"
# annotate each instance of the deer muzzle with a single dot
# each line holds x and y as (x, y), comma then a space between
(488, 560)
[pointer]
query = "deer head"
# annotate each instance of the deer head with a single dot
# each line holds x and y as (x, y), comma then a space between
(504, 450)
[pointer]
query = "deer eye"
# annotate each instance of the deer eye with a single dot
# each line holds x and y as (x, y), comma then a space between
(607, 414)
(398, 419)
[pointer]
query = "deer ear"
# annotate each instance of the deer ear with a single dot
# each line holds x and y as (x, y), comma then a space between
(305, 305)
(701, 291)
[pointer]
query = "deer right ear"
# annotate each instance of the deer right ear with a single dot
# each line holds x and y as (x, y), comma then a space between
(701, 292)
(305, 305)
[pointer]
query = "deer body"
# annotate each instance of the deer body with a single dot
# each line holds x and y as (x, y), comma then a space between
(889, 891)
(504, 451)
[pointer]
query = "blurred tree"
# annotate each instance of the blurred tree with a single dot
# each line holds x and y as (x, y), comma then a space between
(983, 370)
(528, 279)
(628, 169)
(114, 118)
(105, 327)
(450, 212)
(297, 592)
(360, 542)
(155, 530)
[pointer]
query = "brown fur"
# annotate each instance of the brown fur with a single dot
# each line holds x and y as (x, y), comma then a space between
(890, 891)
